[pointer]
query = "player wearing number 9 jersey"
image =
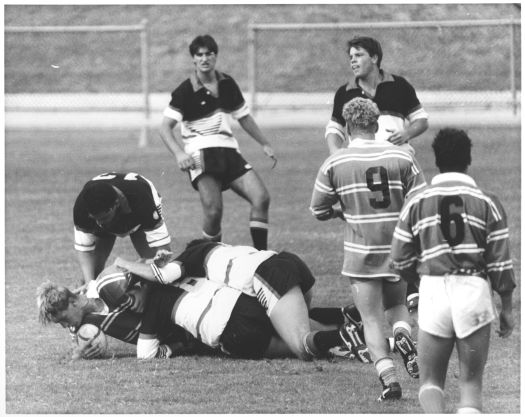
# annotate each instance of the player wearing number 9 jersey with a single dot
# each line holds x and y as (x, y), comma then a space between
(117, 204)
(371, 179)
(455, 236)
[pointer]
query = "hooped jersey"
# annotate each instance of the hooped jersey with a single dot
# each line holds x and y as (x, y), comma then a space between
(204, 117)
(454, 227)
(140, 209)
(395, 97)
(370, 179)
(234, 266)
(198, 305)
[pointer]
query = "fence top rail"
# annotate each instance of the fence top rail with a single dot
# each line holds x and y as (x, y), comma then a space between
(97, 28)
(372, 25)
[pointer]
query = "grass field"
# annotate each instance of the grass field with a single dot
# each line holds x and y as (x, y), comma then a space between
(44, 171)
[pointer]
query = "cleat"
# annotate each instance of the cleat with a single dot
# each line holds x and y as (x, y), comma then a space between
(341, 352)
(351, 315)
(407, 349)
(391, 391)
(412, 302)
(350, 335)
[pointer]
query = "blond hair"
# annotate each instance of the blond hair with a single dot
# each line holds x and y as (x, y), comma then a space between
(52, 299)
(361, 113)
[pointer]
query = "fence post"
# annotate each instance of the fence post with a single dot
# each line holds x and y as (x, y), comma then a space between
(144, 63)
(252, 66)
(512, 67)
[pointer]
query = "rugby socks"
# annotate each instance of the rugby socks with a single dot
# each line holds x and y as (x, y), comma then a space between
(432, 399)
(402, 326)
(468, 410)
(386, 371)
(318, 342)
(334, 315)
(216, 238)
(259, 233)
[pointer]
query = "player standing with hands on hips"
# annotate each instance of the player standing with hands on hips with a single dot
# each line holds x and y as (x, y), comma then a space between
(208, 151)
(454, 237)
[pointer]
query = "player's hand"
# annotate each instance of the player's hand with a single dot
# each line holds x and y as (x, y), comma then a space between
(185, 161)
(120, 264)
(506, 324)
(399, 137)
(81, 289)
(88, 351)
(268, 150)
(162, 257)
(338, 214)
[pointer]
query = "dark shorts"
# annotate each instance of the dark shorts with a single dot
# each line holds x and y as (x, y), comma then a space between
(284, 271)
(224, 164)
(249, 330)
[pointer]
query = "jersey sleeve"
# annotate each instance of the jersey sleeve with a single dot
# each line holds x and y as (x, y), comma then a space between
(336, 124)
(497, 253)
(119, 324)
(179, 97)
(238, 103)
(324, 195)
(404, 245)
(412, 106)
(414, 179)
(112, 286)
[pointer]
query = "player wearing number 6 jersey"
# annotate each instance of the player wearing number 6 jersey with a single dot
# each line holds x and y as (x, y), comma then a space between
(371, 179)
(117, 204)
(457, 237)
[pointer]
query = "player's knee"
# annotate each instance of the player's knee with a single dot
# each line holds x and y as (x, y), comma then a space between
(262, 200)
(212, 212)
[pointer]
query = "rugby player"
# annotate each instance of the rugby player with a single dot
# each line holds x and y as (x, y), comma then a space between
(370, 179)
(207, 149)
(281, 282)
(117, 204)
(454, 236)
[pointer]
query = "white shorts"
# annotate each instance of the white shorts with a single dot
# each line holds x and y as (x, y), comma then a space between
(454, 305)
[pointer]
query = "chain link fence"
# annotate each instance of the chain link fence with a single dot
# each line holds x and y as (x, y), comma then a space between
(462, 63)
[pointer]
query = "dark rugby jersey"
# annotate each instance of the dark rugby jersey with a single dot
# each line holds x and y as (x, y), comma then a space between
(204, 117)
(395, 97)
(454, 227)
(143, 209)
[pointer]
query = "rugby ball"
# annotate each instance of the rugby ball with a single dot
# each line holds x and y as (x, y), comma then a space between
(87, 332)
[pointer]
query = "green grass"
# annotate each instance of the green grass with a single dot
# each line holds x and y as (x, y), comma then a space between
(44, 171)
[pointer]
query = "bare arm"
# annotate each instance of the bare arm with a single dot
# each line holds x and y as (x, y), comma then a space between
(250, 126)
(141, 269)
(416, 128)
(334, 142)
(175, 145)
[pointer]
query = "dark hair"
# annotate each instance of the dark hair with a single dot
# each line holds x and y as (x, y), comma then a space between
(203, 41)
(99, 197)
(196, 242)
(452, 150)
(372, 46)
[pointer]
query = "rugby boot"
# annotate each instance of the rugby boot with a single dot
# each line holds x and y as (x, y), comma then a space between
(407, 349)
(350, 335)
(391, 391)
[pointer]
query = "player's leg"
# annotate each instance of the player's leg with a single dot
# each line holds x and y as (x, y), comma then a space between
(396, 311)
(472, 354)
(210, 192)
(250, 187)
(367, 294)
(434, 355)
(289, 317)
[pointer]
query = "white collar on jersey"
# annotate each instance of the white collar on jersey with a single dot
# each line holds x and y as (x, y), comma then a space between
(453, 176)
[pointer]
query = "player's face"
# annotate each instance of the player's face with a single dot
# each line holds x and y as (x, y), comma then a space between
(106, 217)
(204, 60)
(71, 317)
(361, 62)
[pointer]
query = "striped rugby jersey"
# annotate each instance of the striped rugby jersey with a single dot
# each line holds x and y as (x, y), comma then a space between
(452, 226)
(371, 180)
(205, 118)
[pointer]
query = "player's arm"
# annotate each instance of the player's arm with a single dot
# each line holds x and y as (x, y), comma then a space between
(92, 253)
(324, 198)
(167, 274)
(248, 123)
(403, 252)
(415, 128)
(335, 134)
(173, 143)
